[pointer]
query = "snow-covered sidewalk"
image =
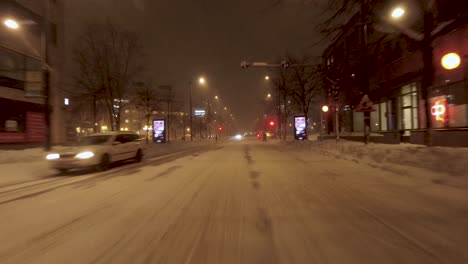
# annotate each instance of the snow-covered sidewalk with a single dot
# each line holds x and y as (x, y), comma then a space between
(452, 161)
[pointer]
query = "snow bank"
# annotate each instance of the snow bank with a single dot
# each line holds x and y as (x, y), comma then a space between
(453, 161)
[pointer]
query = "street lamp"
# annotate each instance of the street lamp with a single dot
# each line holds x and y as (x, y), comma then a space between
(11, 23)
(267, 77)
(201, 81)
(269, 95)
(324, 110)
(398, 12)
(216, 97)
(450, 61)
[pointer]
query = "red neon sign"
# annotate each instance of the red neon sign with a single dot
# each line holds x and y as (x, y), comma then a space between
(439, 110)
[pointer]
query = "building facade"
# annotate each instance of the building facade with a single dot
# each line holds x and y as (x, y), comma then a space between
(23, 52)
(395, 70)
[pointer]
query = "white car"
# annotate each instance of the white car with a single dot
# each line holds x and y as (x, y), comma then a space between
(98, 151)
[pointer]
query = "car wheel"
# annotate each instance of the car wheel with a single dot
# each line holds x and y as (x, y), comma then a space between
(139, 156)
(105, 163)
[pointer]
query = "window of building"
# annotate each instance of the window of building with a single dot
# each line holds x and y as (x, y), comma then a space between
(383, 116)
(18, 71)
(380, 119)
(375, 122)
(408, 110)
(11, 69)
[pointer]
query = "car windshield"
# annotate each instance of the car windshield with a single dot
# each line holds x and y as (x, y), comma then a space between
(93, 140)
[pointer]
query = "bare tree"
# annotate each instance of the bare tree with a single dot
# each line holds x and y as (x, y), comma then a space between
(303, 83)
(109, 59)
(146, 100)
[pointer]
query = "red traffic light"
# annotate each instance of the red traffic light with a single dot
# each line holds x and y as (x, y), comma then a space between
(272, 123)
(220, 128)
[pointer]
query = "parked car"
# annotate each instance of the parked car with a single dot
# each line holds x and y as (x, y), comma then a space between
(98, 151)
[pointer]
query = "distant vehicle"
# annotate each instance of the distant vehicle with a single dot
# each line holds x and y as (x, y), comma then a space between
(98, 151)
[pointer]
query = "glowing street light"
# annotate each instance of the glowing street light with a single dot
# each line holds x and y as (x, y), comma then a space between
(267, 77)
(216, 97)
(398, 12)
(450, 61)
(269, 95)
(11, 23)
(201, 81)
(325, 108)
(225, 108)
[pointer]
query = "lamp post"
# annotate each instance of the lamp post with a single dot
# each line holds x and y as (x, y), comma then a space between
(324, 110)
(278, 111)
(202, 81)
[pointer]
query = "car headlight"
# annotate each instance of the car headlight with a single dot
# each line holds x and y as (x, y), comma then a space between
(84, 155)
(53, 156)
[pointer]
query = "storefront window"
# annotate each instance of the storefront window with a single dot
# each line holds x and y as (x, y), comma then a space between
(383, 116)
(408, 107)
(375, 122)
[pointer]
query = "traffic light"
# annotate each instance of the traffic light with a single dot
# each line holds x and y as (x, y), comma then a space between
(220, 129)
(272, 123)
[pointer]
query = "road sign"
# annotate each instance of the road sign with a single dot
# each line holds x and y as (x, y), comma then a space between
(366, 105)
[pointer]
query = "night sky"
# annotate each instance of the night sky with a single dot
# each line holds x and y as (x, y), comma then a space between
(185, 39)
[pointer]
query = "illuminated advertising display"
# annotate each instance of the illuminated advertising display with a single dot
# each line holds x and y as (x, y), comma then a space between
(159, 130)
(439, 111)
(300, 129)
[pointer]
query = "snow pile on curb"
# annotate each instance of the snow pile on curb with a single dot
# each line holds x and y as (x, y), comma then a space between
(453, 161)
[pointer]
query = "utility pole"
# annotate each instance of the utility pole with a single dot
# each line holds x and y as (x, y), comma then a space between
(428, 67)
(364, 67)
(191, 110)
(278, 126)
(45, 63)
(209, 120)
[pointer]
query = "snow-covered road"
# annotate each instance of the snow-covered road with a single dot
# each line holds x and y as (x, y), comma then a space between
(238, 202)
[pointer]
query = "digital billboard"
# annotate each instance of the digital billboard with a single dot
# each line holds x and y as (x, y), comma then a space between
(159, 130)
(300, 129)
